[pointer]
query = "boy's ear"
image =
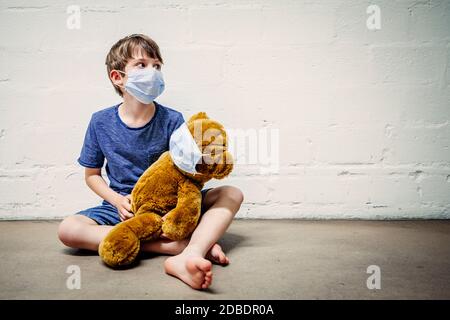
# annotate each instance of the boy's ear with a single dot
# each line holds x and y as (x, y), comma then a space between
(114, 75)
(200, 115)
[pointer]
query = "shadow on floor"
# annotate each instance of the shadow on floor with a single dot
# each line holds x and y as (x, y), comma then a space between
(79, 252)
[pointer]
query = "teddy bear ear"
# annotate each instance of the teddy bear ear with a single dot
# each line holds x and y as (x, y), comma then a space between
(200, 115)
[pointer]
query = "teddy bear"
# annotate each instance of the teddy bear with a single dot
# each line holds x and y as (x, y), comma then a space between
(171, 188)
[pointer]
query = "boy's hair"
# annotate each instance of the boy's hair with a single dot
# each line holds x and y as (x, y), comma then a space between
(124, 49)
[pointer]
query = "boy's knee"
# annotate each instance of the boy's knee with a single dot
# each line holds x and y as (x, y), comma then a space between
(68, 231)
(234, 194)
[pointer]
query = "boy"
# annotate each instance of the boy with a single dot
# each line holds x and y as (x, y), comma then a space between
(131, 135)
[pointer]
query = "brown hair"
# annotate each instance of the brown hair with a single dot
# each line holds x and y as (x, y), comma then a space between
(123, 50)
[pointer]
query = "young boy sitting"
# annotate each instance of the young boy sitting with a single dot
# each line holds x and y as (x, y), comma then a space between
(131, 135)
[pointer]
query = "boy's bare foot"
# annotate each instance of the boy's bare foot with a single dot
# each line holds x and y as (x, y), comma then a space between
(216, 255)
(193, 270)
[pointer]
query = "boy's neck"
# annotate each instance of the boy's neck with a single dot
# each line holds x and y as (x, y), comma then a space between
(136, 112)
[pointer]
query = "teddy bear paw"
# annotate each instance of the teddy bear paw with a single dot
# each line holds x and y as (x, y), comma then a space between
(119, 248)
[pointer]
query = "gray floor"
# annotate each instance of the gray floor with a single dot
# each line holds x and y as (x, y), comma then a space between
(270, 259)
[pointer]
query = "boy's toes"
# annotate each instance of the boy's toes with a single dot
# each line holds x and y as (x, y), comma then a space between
(217, 255)
(207, 283)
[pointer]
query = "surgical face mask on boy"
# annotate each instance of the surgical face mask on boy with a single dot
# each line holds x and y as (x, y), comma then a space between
(144, 84)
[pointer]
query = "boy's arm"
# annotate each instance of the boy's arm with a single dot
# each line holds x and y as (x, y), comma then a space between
(95, 181)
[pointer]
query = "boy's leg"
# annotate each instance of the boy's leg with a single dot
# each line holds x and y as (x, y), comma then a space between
(190, 266)
(79, 231)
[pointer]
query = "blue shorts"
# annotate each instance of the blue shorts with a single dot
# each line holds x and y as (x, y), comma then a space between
(107, 214)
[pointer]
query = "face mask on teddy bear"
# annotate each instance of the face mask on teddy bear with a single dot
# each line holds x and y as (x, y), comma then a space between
(183, 150)
(186, 154)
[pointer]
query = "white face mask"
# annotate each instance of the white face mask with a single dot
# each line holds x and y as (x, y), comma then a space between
(183, 149)
(144, 84)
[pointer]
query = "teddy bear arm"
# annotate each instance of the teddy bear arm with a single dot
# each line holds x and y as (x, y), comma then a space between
(182, 220)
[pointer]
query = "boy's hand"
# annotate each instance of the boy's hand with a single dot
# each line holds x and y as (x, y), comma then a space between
(163, 236)
(123, 206)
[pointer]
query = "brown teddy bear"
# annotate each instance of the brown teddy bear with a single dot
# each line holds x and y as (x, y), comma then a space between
(169, 188)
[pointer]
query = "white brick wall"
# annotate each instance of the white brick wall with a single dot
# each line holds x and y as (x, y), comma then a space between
(363, 115)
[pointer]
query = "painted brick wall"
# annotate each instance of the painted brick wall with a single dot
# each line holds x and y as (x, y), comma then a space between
(359, 117)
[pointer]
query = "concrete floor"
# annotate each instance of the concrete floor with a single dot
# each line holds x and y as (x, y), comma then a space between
(270, 259)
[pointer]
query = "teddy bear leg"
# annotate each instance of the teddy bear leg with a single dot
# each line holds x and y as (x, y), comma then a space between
(121, 246)
(146, 226)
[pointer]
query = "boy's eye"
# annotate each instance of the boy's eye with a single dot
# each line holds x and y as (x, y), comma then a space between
(141, 64)
(157, 66)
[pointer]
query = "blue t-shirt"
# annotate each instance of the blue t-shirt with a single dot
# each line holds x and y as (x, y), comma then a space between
(128, 151)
